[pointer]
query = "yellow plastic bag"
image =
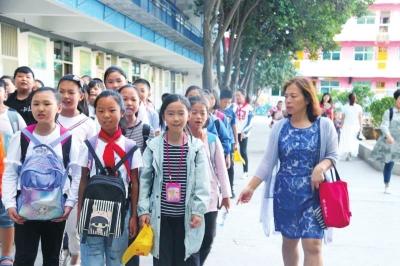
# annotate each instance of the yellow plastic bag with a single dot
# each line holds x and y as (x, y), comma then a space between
(141, 246)
(237, 158)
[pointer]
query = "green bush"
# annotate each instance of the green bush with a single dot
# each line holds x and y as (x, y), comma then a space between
(378, 107)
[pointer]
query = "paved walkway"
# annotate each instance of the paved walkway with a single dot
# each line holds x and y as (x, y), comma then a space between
(372, 239)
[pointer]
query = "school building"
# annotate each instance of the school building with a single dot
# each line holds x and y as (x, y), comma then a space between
(368, 53)
(159, 40)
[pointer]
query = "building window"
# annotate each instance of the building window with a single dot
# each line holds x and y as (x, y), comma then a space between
(125, 67)
(328, 85)
(380, 85)
(385, 18)
(362, 84)
(135, 70)
(331, 55)
(363, 53)
(9, 40)
(9, 48)
(37, 52)
(62, 60)
(85, 63)
(369, 18)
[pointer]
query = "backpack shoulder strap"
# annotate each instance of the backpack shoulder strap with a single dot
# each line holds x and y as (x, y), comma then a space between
(64, 135)
(390, 114)
(13, 117)
(146, 134)
(28, 133)
(93, 156)
(129, 154)
(66, 149)
(24, 140)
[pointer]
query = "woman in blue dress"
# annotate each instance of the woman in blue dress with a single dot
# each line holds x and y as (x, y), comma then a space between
(303, 146)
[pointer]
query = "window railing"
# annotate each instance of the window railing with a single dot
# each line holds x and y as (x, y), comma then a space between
(173, 17)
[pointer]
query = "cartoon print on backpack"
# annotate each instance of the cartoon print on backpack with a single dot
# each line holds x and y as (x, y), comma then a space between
(36, 190)
(43, 175)
(100, 221)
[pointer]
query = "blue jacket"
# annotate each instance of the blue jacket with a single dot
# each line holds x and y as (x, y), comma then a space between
(197, 191)
(221, 131)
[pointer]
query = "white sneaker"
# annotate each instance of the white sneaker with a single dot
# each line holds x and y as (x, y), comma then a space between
(387, 189)
(245, 175)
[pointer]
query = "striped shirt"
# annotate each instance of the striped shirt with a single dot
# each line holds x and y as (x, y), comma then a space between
(174, 163)
(136, 133)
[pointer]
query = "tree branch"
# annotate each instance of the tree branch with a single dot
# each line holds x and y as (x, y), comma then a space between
(224, 27)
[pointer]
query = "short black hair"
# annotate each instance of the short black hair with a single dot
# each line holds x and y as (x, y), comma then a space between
(225, 94)
(57, 95)
(142, 81)
(192, 88)
(23, 69)
(396, 94)
(2, 84)
(113, 94)
(95, 83)
(40, 82)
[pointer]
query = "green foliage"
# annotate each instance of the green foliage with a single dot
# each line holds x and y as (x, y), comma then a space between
(378, 107)
(364, 96)
(339, 96)
(273, 71)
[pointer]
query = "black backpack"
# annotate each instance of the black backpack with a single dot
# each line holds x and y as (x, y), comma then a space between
(104, 202)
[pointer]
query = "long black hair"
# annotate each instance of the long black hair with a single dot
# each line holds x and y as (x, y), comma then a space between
(171, 99)
(82, 104)
(113, 69)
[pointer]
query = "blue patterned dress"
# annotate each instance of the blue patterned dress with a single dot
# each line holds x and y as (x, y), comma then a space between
(294, 200)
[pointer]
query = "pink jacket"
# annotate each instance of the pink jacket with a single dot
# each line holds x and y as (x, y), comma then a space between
(220, 184)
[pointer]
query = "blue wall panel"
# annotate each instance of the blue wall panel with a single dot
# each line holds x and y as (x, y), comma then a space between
(104, 13)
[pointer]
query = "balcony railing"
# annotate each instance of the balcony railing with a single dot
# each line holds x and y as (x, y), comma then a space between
(173, 17)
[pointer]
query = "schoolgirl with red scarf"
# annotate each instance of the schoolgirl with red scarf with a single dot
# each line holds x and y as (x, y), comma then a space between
(110, 148)
(244, 116)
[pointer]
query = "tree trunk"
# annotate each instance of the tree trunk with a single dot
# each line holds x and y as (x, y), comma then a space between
(249, 70)
(218, 63)
(208, 24)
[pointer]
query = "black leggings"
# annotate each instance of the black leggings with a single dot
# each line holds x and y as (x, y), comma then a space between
(172, 246)
(210, 220)
(28, 236)
(243, 153)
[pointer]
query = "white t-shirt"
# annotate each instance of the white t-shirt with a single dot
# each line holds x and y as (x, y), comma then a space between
(85, 130)
(11, 179)
(5, 125)
(100, 146)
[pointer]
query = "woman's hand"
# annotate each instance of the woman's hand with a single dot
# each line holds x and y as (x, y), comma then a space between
(317, 177)
(195, 221)
(389, 139)
(226, 202)
(144, 219)
(245, 195)
(12, 212)
(133, 228)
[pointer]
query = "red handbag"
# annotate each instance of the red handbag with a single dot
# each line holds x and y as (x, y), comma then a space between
(334, 200)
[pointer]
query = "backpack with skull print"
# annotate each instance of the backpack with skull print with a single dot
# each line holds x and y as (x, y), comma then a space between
(104, 202)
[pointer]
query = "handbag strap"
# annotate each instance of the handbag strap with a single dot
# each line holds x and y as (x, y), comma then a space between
(336, 173)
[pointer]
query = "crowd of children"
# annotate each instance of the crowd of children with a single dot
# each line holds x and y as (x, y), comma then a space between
(92, 161)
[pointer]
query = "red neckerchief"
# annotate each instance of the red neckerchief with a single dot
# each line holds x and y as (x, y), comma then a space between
(111, 147)
(240, 113)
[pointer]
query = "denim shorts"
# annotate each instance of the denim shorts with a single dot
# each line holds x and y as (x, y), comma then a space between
(5, 220)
